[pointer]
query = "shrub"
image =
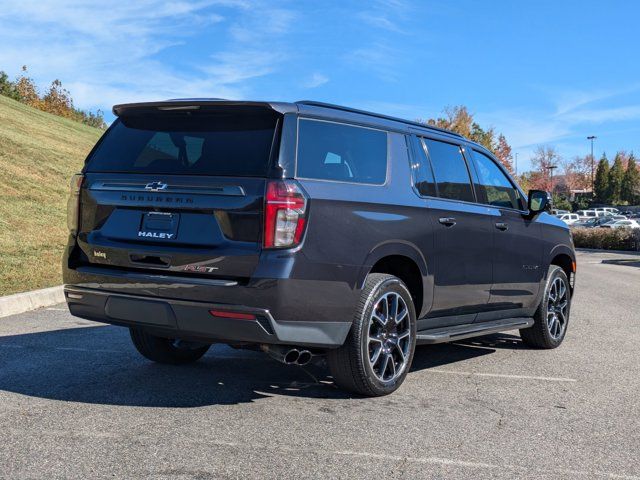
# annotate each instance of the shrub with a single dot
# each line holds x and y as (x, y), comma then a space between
(606, 238)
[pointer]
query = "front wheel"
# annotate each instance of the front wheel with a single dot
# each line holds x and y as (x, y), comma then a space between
(166, 350)
(377, 354)
(552, 316)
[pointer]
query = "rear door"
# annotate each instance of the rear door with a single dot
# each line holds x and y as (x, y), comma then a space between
(463, 233)
(179, 191)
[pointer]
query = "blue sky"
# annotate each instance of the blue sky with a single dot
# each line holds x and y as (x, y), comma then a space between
(543, 72)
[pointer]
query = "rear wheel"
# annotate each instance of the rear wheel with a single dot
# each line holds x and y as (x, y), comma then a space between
(166, 350)
(377, 354)
(552, 316)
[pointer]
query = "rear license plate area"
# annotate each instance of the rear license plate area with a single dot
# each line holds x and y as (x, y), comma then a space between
(159, 226)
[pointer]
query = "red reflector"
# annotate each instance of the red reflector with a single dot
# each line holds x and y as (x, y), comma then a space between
(236, 315)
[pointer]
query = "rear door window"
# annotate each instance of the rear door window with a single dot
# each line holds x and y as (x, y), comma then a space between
(423, 179)
(340, 152)
(228, 143)
(497, 189)
(450, 170)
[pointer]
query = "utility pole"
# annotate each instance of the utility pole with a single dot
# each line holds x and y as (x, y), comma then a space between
(516, 164)
(593, 190)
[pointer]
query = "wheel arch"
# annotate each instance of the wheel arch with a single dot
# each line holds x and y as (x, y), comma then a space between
(564, 257)
(406, 262)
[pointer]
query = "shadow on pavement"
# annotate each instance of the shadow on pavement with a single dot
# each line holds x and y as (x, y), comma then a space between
(100, 365)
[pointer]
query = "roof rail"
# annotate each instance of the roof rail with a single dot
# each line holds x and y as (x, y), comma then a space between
(378, 115)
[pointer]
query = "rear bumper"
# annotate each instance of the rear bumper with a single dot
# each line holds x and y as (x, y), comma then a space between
(192, 320)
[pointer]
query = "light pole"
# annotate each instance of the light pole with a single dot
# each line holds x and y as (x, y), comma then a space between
(551, 168)
(592, 138)
(516, 164)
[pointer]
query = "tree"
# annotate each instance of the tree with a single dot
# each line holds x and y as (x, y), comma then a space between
(543, 158)
(58, 101)
(503, 153)
(27, 90)
(601, 182)
(577, 173)
(630, 189)
(7, 87)
(458, 119)
(616, 174)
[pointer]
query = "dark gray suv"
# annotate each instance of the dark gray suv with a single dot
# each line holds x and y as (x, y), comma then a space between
(306, 229)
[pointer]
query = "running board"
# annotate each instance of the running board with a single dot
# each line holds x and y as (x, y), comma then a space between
(460, 332)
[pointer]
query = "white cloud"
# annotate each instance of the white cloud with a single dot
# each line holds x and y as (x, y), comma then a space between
(316, 80)
(107, 52)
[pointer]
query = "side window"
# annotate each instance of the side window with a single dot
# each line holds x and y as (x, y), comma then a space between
(421, 169)
(450, 170)
(498, 189)
(332, 151)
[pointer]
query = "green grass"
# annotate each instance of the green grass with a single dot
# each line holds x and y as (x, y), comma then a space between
(38, 154)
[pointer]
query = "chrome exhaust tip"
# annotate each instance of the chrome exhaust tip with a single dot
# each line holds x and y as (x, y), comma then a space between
(292, 357)
(286, 355)
(304, 357)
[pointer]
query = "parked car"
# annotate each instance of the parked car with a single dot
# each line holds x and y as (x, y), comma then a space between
(586, 223)
(611, 210)
(558, 212)
(569, 218)
(622, 224)
(585, 214)
(306, 229)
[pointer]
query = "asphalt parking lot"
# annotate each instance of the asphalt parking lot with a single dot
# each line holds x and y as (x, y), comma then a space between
(76, 400)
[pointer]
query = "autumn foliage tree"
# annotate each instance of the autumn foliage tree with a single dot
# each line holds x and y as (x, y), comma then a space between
(545, 159)
(458, 119)
(57, 100)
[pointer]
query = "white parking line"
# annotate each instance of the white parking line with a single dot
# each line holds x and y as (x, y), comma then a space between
(499, 375)
(72, 349)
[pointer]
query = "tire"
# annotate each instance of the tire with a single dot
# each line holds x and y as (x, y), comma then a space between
(549, 330)
(165, 350)
(351, 364)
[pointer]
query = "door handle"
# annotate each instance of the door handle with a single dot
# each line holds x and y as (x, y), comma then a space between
(502, 226)
(447, 221)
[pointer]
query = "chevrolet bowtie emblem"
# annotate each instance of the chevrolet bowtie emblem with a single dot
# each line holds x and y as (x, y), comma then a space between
(155, 186)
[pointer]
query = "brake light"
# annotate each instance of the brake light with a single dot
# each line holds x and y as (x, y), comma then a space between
(73, 204)
(284, 214)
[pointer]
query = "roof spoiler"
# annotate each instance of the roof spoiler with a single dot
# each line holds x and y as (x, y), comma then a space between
(197, 104)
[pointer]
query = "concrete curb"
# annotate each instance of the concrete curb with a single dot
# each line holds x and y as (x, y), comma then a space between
(615, 252)
(23, 302)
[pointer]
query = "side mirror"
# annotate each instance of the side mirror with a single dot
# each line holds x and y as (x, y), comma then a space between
(539, 201)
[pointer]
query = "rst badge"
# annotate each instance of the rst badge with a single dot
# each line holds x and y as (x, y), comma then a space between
(199, 269)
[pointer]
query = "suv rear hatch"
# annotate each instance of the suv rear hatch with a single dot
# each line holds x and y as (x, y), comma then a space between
(179, 188)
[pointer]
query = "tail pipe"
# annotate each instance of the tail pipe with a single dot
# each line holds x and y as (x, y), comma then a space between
(287, 355)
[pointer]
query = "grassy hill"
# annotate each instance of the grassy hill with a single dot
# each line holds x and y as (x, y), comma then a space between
(38, 154)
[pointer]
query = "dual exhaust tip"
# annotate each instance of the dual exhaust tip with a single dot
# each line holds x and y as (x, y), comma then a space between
(288, 355)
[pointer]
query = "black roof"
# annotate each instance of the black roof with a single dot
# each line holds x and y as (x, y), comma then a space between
(313, 103)
(282, 107)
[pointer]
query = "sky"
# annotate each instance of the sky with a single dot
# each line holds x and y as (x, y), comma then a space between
(542, 73)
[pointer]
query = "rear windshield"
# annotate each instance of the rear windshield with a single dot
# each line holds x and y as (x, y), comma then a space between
(226, 143)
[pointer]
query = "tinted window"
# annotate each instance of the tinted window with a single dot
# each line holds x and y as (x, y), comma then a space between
(421, 169)
(228, 144)
(331, 151)
(497, 188)
(450, 169)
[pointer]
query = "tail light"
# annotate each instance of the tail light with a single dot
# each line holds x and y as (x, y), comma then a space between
(73, 204)
(284, 215)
